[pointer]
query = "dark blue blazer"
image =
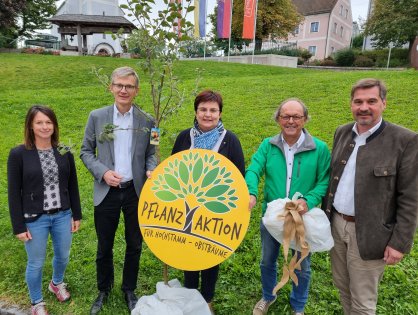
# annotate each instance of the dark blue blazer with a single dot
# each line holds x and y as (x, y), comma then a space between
(26, 189)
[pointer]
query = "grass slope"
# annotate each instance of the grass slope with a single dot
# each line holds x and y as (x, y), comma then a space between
(251, 94)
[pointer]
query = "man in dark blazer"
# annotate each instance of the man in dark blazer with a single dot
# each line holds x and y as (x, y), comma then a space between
(372, 197)
(120, 165)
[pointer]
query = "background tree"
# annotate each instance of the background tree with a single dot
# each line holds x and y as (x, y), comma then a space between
(34, 16)
(196, 47)
(22, 17)
(393, 21)
(9, 11)
(275, 19)
(357, 41)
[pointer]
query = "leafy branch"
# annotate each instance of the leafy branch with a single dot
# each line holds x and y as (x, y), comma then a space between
(64, 148)
(108, 132)
(158, 41)
(103, 78)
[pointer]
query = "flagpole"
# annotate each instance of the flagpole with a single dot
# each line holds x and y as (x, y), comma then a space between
(230, 29)
(255, 25)
(206, 10)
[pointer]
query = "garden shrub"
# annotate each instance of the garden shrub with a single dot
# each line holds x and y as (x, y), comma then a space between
(398, 56)
(293, 52)
(345, 57)
(314, 62)
(363, 61)
(305, 54)
(40, 51)
(328, 62)
(29, 50)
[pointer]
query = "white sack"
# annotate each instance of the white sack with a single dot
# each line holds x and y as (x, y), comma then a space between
(172, 300)
(317, 226)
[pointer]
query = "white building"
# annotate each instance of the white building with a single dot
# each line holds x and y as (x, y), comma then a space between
(94, 16)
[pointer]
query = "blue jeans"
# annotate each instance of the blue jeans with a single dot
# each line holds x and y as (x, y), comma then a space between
(268, 265)
(59, 226)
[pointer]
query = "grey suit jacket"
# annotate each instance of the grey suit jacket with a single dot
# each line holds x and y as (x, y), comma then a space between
(100, 157)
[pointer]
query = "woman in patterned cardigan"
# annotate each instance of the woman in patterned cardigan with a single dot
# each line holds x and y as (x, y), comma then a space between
(43, 200)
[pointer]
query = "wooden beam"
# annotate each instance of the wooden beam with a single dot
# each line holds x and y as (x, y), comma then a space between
(79, 40)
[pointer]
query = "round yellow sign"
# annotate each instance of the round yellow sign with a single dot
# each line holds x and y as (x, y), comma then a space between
(193, 212)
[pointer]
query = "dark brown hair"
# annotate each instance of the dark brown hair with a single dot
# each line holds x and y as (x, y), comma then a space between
(368, 84)
(208, 96)
(30, 116)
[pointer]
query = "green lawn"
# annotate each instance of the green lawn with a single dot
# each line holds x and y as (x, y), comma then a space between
(251, 94)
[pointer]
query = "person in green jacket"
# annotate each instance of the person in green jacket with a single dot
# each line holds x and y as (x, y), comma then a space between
(292, 161)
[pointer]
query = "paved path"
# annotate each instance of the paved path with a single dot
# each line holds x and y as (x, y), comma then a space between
(6, 309)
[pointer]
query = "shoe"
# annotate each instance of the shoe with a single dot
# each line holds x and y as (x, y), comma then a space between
(98, 303)
(39, 309)
(130, 299)
(262, 307)
(60, 291)
(297, 313)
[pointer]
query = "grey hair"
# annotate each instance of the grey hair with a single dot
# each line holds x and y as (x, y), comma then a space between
(279, 108)
(124, 72)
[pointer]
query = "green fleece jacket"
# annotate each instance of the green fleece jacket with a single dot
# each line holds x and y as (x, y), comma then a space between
(310, 173)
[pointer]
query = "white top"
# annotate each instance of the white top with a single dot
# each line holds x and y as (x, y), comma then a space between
(123, 143)
(289, 152)
(344, 196)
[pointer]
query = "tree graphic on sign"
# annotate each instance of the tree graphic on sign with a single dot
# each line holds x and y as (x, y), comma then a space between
(198, 176)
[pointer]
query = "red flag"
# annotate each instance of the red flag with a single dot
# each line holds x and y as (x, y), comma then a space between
(249, 19)
(177, 28)
(224, 18)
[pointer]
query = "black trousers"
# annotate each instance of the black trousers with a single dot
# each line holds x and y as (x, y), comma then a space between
(106, 220)
(207, 287)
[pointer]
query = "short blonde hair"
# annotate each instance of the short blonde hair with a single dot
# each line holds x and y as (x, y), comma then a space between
(124, 72)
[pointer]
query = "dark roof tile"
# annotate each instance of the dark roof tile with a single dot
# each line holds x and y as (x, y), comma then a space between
(91, 19)
(312, 7)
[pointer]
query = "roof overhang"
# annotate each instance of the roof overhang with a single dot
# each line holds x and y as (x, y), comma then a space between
(91, 24)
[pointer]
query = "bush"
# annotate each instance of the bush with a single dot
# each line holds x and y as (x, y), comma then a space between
(398, 56)
(305, 54)
(103, 53)
(363, 61)
(40, 51)
(314, 62)
(28, 50)
(345, 57)
(328, 62)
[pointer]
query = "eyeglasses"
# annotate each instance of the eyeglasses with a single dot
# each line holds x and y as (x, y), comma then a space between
(295, 117)
(128, 87)
(211, 111)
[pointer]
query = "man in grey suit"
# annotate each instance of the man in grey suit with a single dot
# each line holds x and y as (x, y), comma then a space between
(120, 168)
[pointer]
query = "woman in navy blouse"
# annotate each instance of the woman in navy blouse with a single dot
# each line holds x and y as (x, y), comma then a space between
(43, 200)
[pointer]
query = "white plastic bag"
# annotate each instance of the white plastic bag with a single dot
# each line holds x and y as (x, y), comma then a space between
(317, 226)
(172, 299)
